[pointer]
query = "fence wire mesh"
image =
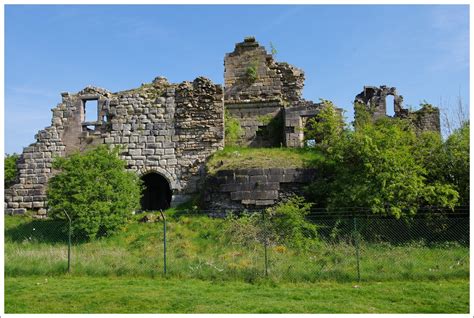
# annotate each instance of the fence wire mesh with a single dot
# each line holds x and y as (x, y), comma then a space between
(249, 245)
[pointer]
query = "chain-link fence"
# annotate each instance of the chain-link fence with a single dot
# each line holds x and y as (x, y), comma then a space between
(249, 245)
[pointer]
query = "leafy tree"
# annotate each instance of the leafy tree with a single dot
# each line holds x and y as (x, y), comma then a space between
(382, 165)
(10, 168)
(95, 190)
(455, 162)
(326, 127)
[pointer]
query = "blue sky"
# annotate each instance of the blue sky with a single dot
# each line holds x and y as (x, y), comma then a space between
(422, 50)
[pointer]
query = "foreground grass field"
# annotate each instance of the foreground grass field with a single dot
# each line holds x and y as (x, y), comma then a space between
(217, 265)
(65, 294)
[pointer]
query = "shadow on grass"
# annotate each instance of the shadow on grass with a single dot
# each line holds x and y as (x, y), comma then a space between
(43, 231)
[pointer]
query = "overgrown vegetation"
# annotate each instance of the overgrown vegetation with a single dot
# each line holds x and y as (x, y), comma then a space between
(10, 169)
(282, 225)
(385, 165)
(239, 157)
(95, 190)
(251, 72)
(223, 249)
(273, 130)
(325, 128)
(233, 130)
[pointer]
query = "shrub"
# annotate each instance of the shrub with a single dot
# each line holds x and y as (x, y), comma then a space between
(10, 169)
(95, 190)
(233, 130)
(251, 72)
(381, 165)
(245, 229)
(326, 127)
(288, 225)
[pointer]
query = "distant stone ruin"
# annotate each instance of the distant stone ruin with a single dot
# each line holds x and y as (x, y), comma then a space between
(374, 99)
(168, 130)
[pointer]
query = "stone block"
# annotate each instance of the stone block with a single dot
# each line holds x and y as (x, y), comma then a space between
(258, 179)
(264, 202)
(135, 152)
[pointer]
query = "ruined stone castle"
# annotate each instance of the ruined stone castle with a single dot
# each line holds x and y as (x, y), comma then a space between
(167, 131)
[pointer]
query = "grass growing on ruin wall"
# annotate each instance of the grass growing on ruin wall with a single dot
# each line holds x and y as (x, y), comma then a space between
(69, 294)
(244, 158)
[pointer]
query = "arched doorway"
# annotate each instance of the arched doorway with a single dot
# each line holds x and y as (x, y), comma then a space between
(157, 192)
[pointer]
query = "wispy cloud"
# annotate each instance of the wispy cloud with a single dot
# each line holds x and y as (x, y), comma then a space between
(451, 27)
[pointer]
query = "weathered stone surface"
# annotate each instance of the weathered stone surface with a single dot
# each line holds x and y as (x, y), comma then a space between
(265, 97)
(159, 127)
(254, 187)
(374, 99)
(172, 129)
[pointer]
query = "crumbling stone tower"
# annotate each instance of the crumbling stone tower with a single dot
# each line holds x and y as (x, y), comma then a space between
(265, 96)
(374, 100)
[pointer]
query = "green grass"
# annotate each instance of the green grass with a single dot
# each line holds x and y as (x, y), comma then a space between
(66, 294)
(199, 247)
(212, 271)
(237, 158)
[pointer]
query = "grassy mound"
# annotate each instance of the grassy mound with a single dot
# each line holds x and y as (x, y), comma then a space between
(237, 157)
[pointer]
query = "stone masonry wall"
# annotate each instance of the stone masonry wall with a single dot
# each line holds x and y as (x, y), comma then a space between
(257, 102)
(254, 188)
(166, 128)
(374, 99)
(274, 80)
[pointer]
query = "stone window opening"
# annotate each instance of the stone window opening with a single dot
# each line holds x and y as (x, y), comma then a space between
(157, 193)
(390, 105)
(90, 114)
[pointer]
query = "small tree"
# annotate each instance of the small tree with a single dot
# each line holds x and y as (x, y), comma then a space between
(326, 127)
(10, 169)
(455, 161)
(95, 190)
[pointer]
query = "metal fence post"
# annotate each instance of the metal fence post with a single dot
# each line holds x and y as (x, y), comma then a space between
(356, 241)
(265, 242)
(69, 243)
(164, 241)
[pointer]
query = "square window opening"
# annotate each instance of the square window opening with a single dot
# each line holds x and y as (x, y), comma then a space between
(91, 110)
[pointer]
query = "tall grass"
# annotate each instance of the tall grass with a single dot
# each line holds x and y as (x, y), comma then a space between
(201, 247)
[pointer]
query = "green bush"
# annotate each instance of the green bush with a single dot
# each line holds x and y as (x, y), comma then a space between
(384, 165)
(10, 169)
(282, 224)
(95, 190)
(233, 130)
(288, 224)
(252, 72)
(325, 128)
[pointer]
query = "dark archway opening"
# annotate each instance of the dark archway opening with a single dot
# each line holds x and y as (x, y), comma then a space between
(157, 192)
